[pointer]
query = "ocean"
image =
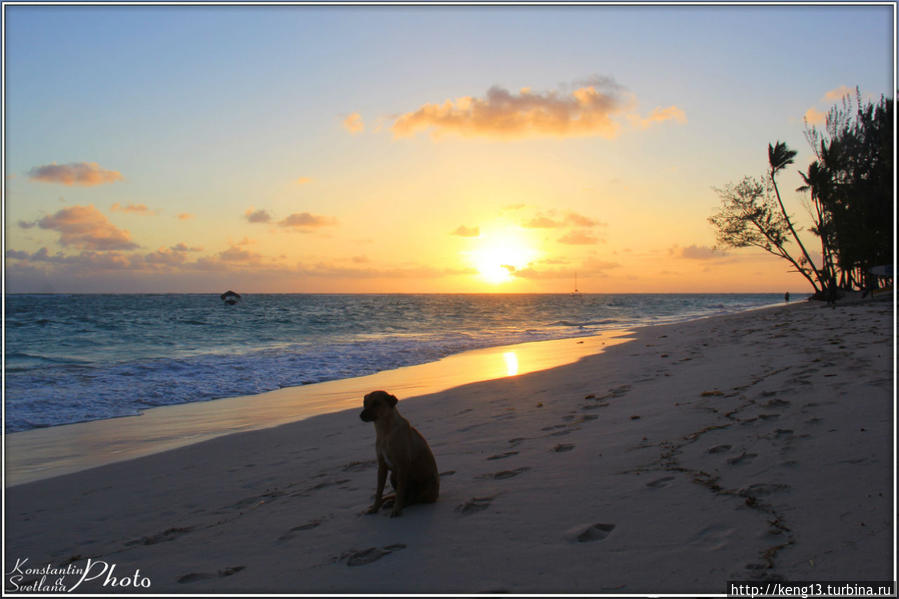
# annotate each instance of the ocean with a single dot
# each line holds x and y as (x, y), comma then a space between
(75, 358)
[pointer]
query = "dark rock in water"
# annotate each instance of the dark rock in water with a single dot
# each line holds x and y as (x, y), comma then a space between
(230, 297)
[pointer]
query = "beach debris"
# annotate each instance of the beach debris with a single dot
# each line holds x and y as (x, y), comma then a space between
(230, 297)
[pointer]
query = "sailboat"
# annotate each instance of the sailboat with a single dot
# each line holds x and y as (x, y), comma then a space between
(575, 292)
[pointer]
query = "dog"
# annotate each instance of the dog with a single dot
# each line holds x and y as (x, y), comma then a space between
(404, 452)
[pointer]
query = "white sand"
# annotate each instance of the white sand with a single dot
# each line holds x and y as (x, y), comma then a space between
(757, 445)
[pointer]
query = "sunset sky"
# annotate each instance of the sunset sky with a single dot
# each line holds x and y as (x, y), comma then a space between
(410, 149)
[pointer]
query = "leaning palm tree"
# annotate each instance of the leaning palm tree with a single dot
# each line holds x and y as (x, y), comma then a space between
(779, 156)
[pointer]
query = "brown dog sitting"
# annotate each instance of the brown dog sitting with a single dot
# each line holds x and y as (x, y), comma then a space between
(402, 450)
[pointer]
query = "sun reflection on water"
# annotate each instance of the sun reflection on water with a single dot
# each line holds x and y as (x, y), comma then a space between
(511, 359)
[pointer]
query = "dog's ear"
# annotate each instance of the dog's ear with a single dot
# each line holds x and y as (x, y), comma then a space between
(391, 400)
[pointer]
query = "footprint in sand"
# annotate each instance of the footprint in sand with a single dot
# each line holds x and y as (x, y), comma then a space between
(661, 482)
(719, 448)
(502, 456)
(503, 474)
(195, 576)
(359, 466)
(762, 489)
(743, 457)
(474, 505)
(563, 447)
(592, 533)
(367, 556)
(291, 533)
(169, 535)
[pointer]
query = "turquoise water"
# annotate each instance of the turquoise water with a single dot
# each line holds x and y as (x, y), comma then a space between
(72, 358)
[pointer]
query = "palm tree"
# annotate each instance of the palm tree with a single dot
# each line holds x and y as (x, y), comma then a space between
(779, 156)
(816, 180)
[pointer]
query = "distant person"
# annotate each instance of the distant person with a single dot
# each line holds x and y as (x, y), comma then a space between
(787, 297)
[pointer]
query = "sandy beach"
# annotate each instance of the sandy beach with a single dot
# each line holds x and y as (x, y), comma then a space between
(751, 446)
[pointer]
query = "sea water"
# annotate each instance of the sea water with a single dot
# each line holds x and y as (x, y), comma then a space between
(73, 358)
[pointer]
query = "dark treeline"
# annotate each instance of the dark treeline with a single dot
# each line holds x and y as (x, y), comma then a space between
(850, 200)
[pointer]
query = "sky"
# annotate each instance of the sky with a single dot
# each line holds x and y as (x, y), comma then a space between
(410, 149)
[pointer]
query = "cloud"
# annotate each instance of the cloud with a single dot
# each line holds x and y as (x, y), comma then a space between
(697, 252)
(353, 123)
(304, 220)
(571, 219)
(26, 225)
(838, 93)
(87, 228)
(138, 208)
(464, 231)
(579, 220)
(259, 216)
(185, 216)
(541, 222)
(237, 254)
(578, 238)
(587, 111)
(86, 174)
(181, 247)
(302, 180)
(658, 115)
(813, 116)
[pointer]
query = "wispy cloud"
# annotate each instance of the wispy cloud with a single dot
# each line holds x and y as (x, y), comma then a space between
(838, 93)
(658, 115)
(813, 116)
(185, 216)
(463, 231)
(541, 222)
(136, 208)
(305, 220)
(302, 180)
(589, 110)
(353, 123)
(697, 252)
(87, 228)
(553, 221)
(85, 174)
(579, 238)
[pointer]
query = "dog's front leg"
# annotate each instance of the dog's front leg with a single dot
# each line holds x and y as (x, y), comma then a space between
(382, 480)
(402, 480)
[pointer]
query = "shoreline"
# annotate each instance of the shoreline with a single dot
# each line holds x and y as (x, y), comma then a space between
(748, 446)
(43, 453)
(46, 452)
(99, 388)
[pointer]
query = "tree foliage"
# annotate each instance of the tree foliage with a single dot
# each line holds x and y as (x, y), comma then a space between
(751, 216)
(850, 187)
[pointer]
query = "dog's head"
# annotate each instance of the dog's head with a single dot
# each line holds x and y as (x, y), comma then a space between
(377, 403)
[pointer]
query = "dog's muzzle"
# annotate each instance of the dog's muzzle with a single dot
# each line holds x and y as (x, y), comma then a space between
(365, 416)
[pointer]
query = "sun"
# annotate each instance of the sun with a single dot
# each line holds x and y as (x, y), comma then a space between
(501, 253)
